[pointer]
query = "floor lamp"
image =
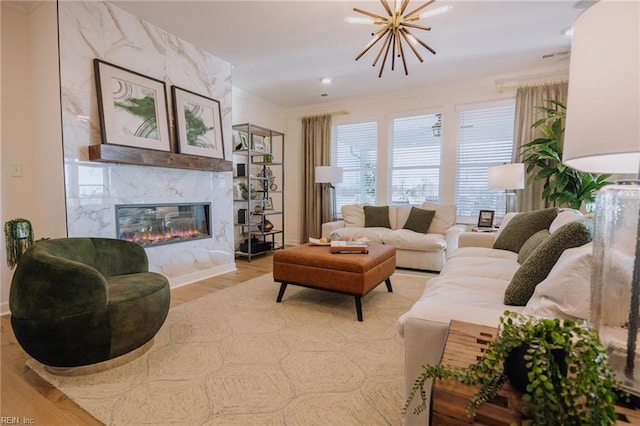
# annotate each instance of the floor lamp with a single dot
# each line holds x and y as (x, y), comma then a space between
(507, 177)
(329, 175)
(602, 135)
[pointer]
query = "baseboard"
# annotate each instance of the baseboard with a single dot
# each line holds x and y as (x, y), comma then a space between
(201, 275)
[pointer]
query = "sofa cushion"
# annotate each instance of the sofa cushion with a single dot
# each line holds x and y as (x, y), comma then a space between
(565, 215)
(544, 257)
(419, 220)
(376, 217)
(376, 235)
(353, 216)
(405, 239)
(501, 268)
(565, 293)
(444, 218)
(523, 226)
(531, 244)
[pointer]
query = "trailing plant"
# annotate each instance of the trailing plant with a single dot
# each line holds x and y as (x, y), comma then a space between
(563, 186)
(18, 237)
(570, 380)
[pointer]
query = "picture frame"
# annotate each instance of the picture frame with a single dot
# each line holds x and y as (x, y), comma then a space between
(268, 205)
(198, 124)
(132, 108)
(485, 218)
(239, 141)
(257, 143)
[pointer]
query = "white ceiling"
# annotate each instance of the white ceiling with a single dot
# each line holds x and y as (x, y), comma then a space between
(280, 50)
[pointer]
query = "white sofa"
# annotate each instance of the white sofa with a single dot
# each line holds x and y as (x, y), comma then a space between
(471, 287)
(414, 250)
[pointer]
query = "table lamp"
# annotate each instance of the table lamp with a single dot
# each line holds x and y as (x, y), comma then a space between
(602, 135)
(329, 175)
(507, 177)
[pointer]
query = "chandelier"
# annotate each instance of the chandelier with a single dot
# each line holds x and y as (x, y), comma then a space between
(395, 31)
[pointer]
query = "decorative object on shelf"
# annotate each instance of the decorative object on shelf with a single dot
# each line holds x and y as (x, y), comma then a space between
(329, 175)
(244, 191)
(241, 170)
(395, 30)
(132, 107)
(564, 185)
(267, 226)
(268, 158)
(268, 205)
(592, 147)
(591, 383)
(198, 124)
(273, 187)
(242, 216)
(267, 173)
(258, 209)
(18, 237)
(257, 143)
(485, 218)
(267, 144)
(507, 177)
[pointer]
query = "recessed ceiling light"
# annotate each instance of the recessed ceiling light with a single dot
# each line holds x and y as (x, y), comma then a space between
(326, 80)
(568, 32)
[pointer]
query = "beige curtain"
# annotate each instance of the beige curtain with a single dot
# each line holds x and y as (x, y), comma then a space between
(527, 99)
(316, 142)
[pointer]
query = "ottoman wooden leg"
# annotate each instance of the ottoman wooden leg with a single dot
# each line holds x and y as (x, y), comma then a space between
(388, 283)
(283, 287)
(359, 307)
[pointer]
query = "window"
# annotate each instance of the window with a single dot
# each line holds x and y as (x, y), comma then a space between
(485, 138)
(354, 148)
(415, 149)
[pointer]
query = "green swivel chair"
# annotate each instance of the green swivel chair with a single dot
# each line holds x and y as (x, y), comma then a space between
(80, 301)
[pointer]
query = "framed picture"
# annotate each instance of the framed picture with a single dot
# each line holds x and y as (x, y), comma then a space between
(257, 143)
(132, 107)
(485, 219)
(198, 124)
(268, 205)
(239, 141)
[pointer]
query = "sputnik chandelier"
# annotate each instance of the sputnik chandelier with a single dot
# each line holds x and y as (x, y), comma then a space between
(395, 30)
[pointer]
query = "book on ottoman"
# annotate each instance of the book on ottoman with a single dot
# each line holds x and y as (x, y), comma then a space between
(349, 247)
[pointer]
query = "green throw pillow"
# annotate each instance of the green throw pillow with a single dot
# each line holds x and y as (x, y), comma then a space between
(531, 244)
(376, 217)
(538, 265)
(523, 226)
(419, 220)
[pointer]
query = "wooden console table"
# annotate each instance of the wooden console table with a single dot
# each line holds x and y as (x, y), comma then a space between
(466, 342)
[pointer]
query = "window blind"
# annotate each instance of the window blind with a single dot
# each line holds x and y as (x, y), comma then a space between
(354, 148)
(415, 154)
(485, 138)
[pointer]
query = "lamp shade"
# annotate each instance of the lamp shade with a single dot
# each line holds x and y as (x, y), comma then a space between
(602, 133)
(507, 176)
(328, 174)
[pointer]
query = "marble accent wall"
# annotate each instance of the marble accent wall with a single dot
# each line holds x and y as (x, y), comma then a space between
(89, 30)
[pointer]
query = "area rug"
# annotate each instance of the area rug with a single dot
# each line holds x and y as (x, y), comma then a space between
(236, 357)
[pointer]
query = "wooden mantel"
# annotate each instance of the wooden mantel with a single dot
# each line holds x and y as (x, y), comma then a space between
(105, 153)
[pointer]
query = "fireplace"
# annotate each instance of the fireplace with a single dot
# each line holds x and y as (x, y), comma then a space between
(159, 224)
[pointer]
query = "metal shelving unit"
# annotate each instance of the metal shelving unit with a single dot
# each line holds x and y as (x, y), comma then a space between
(258, 166)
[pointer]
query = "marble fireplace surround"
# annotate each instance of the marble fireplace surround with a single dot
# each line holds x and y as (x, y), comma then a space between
(89, 30)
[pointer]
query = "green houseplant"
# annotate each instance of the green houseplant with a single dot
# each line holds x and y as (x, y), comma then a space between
(570, 380)
(563, 186)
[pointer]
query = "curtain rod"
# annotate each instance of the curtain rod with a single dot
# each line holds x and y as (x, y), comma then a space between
(532, 84)
(340, 112)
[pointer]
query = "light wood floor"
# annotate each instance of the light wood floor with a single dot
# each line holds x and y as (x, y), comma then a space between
(25, 395)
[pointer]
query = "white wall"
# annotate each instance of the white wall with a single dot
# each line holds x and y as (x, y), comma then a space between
(30, 131)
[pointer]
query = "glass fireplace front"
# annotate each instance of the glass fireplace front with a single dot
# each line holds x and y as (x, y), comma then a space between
(158, 224)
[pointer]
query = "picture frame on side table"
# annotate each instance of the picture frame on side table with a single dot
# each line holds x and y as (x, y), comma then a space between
(485, 218)
(132, 108)
(198, 124)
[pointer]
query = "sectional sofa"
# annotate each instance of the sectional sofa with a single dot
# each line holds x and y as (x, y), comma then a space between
(539, 263)
(422, 235)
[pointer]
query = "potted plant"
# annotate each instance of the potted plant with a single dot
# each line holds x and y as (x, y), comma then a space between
(543, 156)
(568, 380)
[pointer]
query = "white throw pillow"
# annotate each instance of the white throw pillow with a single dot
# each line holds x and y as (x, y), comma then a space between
(565, 216)
(565, 293)
(353, 215)
(444, 218)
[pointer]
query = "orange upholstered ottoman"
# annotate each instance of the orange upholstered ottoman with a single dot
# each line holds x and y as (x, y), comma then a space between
(351, 274)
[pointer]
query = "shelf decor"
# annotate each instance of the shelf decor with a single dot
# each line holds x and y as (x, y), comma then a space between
(198, 124)
(132, 107)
